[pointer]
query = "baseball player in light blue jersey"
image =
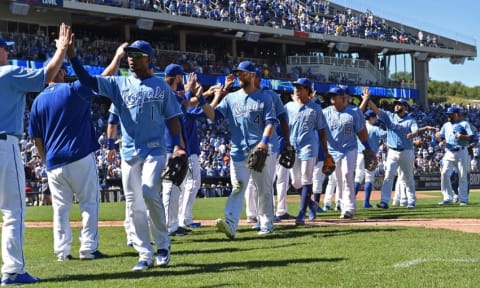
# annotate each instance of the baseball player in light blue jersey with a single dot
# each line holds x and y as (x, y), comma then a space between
(401, 129)
(307, 127)
(344, 121)
(62, 130)
(145, 103)
(251, 119)
(456, 134)
(16, 82)
(374, 136)
(251, 196)
(171, 193)
(318, 175)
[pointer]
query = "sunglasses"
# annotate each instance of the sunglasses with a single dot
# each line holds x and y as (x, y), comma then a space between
(242, 73)
(136, 54)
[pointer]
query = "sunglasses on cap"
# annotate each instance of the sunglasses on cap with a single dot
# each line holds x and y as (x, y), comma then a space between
(136, 54)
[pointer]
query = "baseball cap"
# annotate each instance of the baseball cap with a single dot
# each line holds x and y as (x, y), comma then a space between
(5, 44)
(142, 46)
(452, 110)
(258, 72)
(173, 70)
(369, 113)
(303, 82)
(402, 102)
(336, 91)
(246, 66)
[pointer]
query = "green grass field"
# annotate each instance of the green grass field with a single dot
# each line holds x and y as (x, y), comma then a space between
(309, 256)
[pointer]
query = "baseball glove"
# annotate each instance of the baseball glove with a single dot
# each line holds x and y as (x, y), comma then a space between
(370, 159)
(459, 129)
(328, 165)
(287, 157)
(176, 169)
(256, 159)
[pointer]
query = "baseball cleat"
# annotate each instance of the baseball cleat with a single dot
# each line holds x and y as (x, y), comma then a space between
(143, 265)
(382, 205)
(265, 231)
(92, 255)
(163, 257)
(18, 279)
(222, 226)
(346, 215)
(445, 202)
(62, 258)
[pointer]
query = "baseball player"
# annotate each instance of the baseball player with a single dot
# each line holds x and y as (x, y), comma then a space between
(16, 82)
(251, 196)
(344, 121)
(374, 135)
(145, 103)
(307, 125)
(62, 130)
(401, 129)
(251, 120)
(171, 193)
(456, 135)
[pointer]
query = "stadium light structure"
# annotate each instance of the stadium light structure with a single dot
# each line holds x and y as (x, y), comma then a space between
(384, 50)
(252, 36)
(19, 8)
(331, 45)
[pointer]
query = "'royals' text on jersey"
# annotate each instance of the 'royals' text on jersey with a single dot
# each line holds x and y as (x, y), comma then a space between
(248, 115)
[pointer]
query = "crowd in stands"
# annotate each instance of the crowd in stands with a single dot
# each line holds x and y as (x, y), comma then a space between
(315, 16)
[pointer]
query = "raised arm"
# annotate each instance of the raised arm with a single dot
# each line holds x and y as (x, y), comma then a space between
(112, 68)
(62, 44)
(82, 74)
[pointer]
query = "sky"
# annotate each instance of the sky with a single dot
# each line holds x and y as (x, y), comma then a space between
(457, 19)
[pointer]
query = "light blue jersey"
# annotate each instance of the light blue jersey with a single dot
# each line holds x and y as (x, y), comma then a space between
(397, 129)
(304, 122)
(280, 112)
(143, 106)
(447, 133)
(15, 82)
(343, 127)
(248, 115)
(375, 133)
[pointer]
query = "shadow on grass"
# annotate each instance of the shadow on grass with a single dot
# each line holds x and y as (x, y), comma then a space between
(190, 269)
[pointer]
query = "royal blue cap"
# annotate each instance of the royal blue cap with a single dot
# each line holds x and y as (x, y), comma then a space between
(141, 46)
(4, 43)
(259, 72)
(452, 110)
(246, 66)
(402, 102)
(336, 91)
(303, 82)
(369, 113)
(173, 70)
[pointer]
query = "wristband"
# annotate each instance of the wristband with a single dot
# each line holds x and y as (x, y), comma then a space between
(366, 145)
(265, 139)
(111, 143)
(175, 140)
(201, 100)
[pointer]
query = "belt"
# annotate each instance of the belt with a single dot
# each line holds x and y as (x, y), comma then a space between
(457, 149)
(396, 149)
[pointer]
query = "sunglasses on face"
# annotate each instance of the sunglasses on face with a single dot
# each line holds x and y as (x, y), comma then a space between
(241, 73)
(136, 54)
